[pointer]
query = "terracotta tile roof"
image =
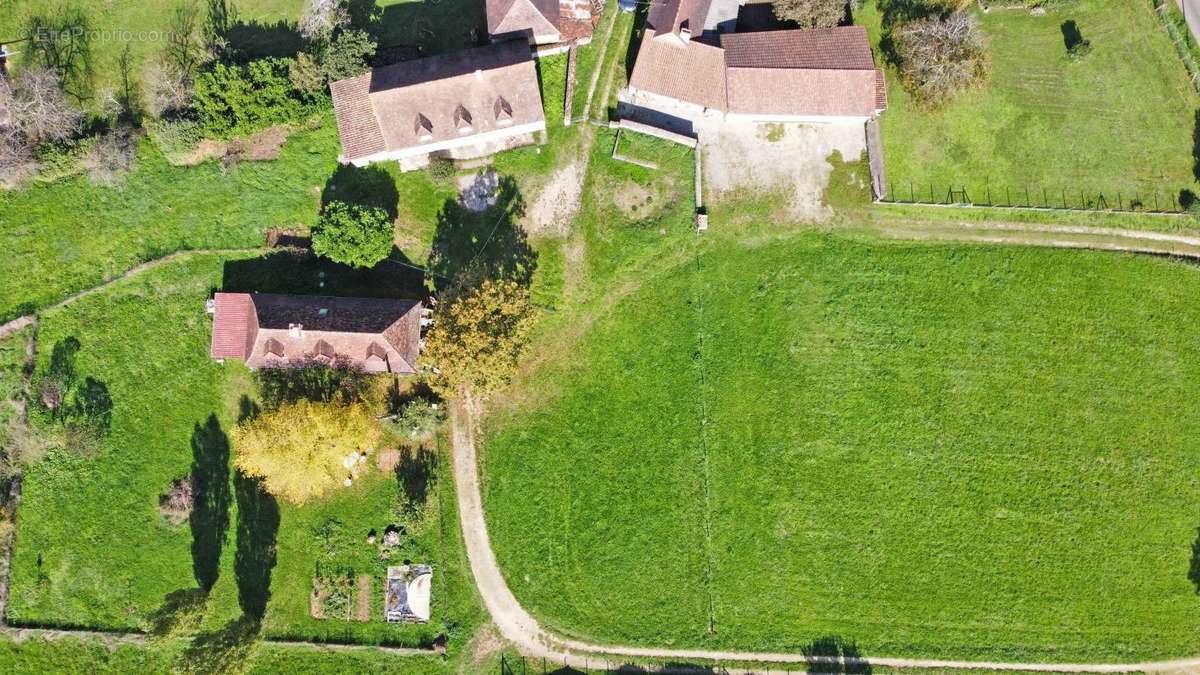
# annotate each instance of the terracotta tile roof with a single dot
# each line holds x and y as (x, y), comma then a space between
(513, 16)
(690, 71)
(825, 72)
(379, 111)
(234, 326)
(880, 90)
(669, 16)
(842, 48)
(270, 331)
(774, 91)
(357, 125)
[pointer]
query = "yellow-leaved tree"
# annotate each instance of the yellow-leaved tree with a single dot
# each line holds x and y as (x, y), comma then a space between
(301, 450)
(477, 337)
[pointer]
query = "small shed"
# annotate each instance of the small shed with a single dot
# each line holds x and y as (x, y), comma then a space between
(407, 593)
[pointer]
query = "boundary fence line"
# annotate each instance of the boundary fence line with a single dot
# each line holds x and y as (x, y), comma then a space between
(1039, 199)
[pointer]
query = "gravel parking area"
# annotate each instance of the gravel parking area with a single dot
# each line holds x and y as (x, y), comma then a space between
(779, 157)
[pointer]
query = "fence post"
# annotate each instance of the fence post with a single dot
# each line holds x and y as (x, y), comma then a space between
(1064, 195)
(1045, 197)
(1156, 200)
(1007, 196)
(1120, 204)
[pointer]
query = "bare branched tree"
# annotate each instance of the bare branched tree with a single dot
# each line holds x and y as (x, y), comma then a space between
(39, 109)
(321, 18)
(168, 91)
(184, 50)
(940, 57)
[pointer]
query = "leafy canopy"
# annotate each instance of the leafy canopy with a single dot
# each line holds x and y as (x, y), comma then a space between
(353, 234)
(299, 449)
(476, 340)
(811, 13)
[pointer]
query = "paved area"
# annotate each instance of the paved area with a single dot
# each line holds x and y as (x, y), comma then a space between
(1191, 12)
(478, 191)
(788, 158)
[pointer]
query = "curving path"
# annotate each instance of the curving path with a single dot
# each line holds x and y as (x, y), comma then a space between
(520, 628)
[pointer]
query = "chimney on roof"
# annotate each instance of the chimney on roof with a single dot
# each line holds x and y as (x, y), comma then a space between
(685, 33)
(478, 75)
(295, 331)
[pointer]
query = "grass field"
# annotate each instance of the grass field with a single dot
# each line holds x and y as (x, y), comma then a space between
(72, 235)
(1119, 120)
(264, 27)
(76, 564)
(929, 450)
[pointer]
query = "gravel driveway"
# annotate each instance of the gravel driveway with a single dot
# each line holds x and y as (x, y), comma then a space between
(779, 157)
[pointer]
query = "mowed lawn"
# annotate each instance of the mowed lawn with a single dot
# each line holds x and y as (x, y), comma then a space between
(94, 552)
(930, 450)
(1120, 119)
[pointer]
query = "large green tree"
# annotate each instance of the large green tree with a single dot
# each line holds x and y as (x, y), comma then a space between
(353, 234)
(476, 339)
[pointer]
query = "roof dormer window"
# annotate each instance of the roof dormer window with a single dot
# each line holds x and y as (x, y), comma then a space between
(423, 128)
(323, 351)
(462, 120)
(274, 347)
(503, 111)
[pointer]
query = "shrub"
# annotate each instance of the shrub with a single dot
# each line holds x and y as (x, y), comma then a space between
(112, 156)
(940, 57)
(419, 420)
(441, 169)
(301, 450)
(241, 99)
(477, 338)
(353, 234)
(175, 138)
(176, 505)
(810, 13)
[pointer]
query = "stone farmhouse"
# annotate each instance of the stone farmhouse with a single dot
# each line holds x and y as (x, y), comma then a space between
(282, 331)
(467, 104)
(695, 72)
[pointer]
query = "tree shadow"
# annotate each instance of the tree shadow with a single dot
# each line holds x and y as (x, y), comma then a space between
(1194, 570)
(340, 383)
(225, 650)
(248, 41)
(835, 655)
(180, 612)
(896, 12)
(301, 273)
(258, 525)
(209, 519)
(1072, 38)
(414, 475)
(421, 28)
(470, 246)
(1196, 146)
(94, 405)
(369, 186)
(248, 409)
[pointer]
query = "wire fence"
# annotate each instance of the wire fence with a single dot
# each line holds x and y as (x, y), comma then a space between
(1177, 29)
(1039, 197)
(520, 665)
